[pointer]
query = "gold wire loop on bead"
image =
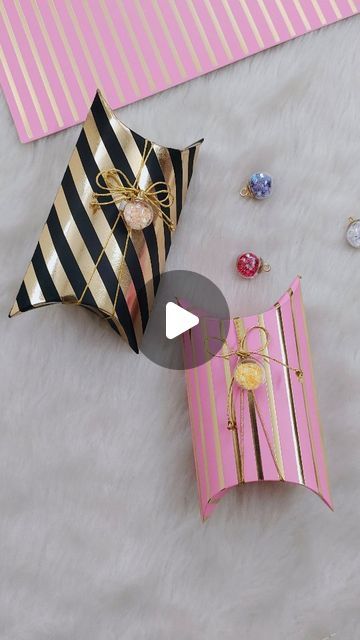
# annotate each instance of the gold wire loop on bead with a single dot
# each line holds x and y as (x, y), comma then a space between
(246, 192)
(265, 266)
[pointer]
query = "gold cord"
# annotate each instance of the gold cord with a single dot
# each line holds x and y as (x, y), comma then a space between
(116, 188)
(242, 354)
(273, 455)
(246, 192)
(99, 259)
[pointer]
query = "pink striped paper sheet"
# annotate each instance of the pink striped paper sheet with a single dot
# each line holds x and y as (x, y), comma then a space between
(54, 54)
(276, 434)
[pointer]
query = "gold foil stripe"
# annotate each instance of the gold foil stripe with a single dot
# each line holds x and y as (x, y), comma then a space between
(85, 262)
(104, 53)
(318, 11)
(120, 49)
(218, 30)
(252, 24)
(202, 32)
(185, 171)
(352, 6)
(286, 18)
(255, 434)
(235, 26)
(85, 49)
(23, 68)
(240, 333)
(201, 419)
(213, 411)
(168, 170)
(271, 398)
(71, 58)
(192, 423)
(186, 37)
(234, 432)
(136, 45)
(291, 405)
(314, 389)
(268, 20)
(85, 191)
(33, 288)
(239, 329)
(336, 9)
(54, 266)
(197, 149)
(98, 219)
(39, 64)
(107, 240)
(302, 15)
(133, 155)
(265, 432)
(14, 310)
(153, 43)
(53, 56)
(79, 249)
(306, 405)
(15, 93)
(169, 39)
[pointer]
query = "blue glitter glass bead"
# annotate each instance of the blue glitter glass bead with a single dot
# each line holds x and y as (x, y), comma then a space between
(260, 185)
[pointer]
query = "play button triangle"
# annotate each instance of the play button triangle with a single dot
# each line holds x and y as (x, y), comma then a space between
(178, 320)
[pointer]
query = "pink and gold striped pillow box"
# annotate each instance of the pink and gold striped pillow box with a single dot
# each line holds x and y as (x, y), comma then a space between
(252, 406)
(55, 54)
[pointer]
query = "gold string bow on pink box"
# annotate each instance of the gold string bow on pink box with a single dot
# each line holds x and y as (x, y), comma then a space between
(252, 406)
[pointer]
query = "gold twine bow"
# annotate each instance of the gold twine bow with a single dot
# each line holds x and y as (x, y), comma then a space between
(244, 354)
(116, 188)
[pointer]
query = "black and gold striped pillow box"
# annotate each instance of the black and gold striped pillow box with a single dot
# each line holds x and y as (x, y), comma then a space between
(87, 255)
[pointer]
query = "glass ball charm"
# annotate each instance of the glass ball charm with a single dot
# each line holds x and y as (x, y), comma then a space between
(249, 375)
(248, 265)
(138, 215)
(258, 187)
(353, 233)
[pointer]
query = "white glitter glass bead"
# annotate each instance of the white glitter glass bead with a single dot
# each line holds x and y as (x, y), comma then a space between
(353, 234)
(138, 215)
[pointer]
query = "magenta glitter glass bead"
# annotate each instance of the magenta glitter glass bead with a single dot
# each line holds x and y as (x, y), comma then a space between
(248, 265)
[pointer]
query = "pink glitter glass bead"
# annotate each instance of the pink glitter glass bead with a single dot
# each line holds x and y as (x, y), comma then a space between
(248, 265)
(138, 215)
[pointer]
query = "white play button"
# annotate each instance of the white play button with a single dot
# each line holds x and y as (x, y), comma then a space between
(179, 293)
(178, 320)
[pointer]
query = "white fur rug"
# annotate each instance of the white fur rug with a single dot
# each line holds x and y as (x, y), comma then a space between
(100, 533)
